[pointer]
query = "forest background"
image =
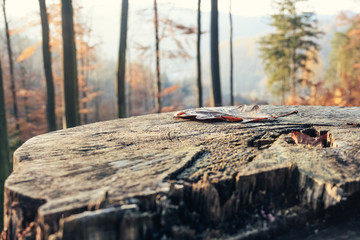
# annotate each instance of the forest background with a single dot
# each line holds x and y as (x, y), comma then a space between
(328, 71)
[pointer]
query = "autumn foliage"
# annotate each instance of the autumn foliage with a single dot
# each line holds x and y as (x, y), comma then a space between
(29, 79)
(341, 83)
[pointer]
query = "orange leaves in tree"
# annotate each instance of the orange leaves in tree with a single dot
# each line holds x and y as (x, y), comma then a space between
(230, 114)
(357, 65)
(84, 111)
(168, 109)
(169, 90)
(91, 96)
(28, 52)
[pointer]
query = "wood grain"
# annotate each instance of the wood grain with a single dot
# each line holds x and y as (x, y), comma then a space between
(155, 177)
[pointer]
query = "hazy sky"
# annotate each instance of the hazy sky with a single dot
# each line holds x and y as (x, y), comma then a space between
(106, 12)
(240, 7)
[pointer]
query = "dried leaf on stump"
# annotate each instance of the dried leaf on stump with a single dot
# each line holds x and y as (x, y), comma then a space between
(230, 114)
(302, 138)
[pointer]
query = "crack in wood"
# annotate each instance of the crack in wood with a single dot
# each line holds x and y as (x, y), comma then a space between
(180, 171)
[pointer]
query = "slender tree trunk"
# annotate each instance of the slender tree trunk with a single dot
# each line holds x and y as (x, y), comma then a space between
(292, 68)
(292, 75)
(11, 64)
(97, 100)
(25, 98)
(283, 91)
(198, 57)
(231, 59)
(85, 93)
(4, 148)
(129, 86)
(71, 89)
(158, 102)
(85, 106)
(121, 92)
(148, 93)
(214, 45)
(83, 63)
(50, 102)
(97, 110)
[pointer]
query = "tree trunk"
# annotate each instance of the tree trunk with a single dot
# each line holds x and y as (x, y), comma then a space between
(214, 49)
(85, 93)
(187, 180)
(121, 93)
(282, 101)
(129, 86)
(50, 103)
(12, 76)
(292, 75)
(231, 59)
(158, 101)
(83, 73)
(198, 57)
(97, 100)
(4, 148)
(71, 89)
(24, 99)
(292, 66)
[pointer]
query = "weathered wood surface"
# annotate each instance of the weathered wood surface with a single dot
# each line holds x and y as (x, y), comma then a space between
(155, 177)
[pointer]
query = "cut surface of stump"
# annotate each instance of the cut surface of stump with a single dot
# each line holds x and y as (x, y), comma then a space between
(156, 177)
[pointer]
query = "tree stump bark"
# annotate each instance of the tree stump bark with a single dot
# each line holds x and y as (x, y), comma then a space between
(156, 177)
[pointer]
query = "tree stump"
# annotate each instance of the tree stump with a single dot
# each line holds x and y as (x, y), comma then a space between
(156, 177)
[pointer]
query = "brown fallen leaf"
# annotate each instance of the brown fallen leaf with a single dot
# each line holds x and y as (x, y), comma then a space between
(302, 138)
(230, 114)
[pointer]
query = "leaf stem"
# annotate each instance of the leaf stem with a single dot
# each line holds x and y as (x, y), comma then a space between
(286, 114)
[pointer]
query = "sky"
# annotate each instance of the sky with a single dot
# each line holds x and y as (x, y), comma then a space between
(107, 12)
(18, 8)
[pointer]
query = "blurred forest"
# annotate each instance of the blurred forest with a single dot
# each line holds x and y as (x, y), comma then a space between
(56, 73)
